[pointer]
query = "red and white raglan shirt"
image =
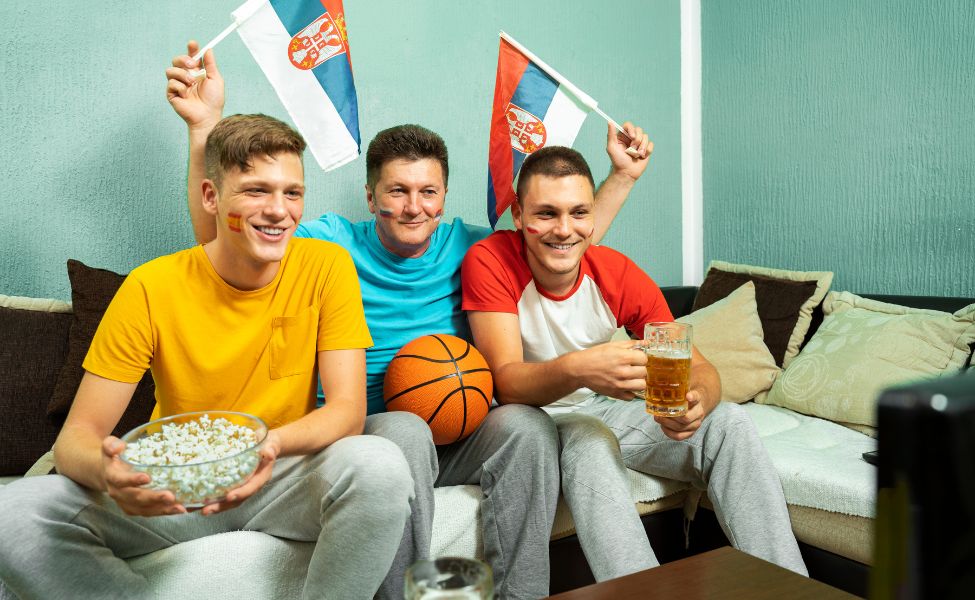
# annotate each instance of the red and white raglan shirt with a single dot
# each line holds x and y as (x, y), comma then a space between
(611, 292)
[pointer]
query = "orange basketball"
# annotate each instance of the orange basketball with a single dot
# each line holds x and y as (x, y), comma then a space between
(445, 381)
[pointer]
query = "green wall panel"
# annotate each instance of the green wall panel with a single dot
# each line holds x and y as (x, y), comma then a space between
(94, 159)
(838, 135)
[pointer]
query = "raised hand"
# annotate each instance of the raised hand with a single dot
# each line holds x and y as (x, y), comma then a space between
(630, 153)
(197, 99)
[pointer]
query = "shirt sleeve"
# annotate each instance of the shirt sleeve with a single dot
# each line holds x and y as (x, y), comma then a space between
(341, 320)
(642, 301)
(122, 348)
(328, 227)
(486, 282)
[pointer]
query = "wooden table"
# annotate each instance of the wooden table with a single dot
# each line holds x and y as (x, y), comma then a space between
(721, 573)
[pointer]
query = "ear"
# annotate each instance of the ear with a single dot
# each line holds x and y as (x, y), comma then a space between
(210, 194)
(370, 200)
(516, 215)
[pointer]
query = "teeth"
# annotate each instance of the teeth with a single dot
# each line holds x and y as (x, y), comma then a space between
(271, 230)
(561, 246)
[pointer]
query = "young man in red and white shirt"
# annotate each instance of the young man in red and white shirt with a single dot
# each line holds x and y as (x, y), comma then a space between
(543, 303)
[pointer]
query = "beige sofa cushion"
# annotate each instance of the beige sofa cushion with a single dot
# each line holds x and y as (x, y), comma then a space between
(729, 334)
(864, 346)
(823, 280)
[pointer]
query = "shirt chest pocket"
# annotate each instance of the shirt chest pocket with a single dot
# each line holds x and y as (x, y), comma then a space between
(293, 347)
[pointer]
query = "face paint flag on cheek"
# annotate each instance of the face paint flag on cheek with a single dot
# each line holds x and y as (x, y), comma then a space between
(233, 222)
(531, 230)
(385, 212)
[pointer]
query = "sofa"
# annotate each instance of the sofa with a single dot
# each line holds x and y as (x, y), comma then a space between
(816, 446)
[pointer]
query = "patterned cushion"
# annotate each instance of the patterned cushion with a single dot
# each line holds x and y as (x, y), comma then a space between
(864, 346)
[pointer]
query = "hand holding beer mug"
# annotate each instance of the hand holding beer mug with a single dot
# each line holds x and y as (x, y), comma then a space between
(668, 349)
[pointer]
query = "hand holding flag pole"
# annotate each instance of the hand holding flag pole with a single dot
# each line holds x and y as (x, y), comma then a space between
(582, 96)
(238, 20)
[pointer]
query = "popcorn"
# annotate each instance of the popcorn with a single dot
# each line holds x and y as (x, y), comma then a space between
(198, 460)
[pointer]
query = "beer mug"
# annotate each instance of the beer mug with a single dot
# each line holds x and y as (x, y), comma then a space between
(449, 578)
(668, 349)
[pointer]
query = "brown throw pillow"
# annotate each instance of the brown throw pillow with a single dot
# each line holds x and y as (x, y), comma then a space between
(32, 347)
(778, 302)
(91, 292)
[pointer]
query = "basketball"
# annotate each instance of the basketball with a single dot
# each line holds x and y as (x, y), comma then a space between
(445, 381)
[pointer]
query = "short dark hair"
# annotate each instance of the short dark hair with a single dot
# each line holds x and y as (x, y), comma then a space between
(552, 161)
(239, 138)
(407, 142)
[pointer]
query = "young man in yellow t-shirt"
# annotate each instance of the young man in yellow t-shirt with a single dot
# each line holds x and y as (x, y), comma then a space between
(239, 323)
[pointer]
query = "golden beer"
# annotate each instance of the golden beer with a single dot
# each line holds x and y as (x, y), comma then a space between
(668, 348)
(667, 377)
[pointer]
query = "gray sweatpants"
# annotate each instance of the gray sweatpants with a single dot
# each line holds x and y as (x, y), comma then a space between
(725, 457)
(61, 540)
(513, 456)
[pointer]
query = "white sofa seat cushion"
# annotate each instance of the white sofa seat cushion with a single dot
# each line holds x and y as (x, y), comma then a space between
(215, 567)
(818, 461)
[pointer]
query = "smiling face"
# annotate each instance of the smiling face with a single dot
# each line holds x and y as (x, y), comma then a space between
(408, 200)
(256, 210)
(556, 215)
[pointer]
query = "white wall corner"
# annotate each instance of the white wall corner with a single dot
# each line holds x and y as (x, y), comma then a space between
(692, 185)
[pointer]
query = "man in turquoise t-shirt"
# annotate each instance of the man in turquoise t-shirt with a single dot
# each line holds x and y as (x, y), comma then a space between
(408, 263)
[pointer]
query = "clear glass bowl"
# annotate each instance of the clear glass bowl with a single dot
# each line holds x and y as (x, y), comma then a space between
(197, 484)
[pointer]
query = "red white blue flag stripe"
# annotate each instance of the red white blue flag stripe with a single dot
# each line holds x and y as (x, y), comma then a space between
(302, 47)
(531, 110)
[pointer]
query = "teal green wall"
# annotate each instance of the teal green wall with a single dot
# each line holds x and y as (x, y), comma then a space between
(840, 135)
(94, 159)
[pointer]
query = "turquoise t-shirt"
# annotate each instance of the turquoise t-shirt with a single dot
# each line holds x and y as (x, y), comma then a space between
(403, 298)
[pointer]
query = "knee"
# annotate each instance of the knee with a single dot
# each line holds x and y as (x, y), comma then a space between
(393, 424)
(584, 433)
(375, 467)
(409, 432)
(730, 417)
(28, 503)
(529, 428)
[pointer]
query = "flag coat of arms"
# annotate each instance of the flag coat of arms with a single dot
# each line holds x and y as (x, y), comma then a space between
(303, 48)
(531, 110)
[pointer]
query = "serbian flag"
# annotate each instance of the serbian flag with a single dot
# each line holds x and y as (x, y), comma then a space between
(534, 106)
(303, 49)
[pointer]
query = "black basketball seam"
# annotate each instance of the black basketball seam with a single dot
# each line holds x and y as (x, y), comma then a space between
(439, 406)
(460, 380)
(426, 358)
(429, 381)
(487, 400)
(463, 355)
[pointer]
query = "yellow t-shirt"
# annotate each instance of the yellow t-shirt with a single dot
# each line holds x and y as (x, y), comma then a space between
(213, 347)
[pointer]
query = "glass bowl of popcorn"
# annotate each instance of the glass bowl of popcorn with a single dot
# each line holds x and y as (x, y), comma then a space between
(199, 456)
